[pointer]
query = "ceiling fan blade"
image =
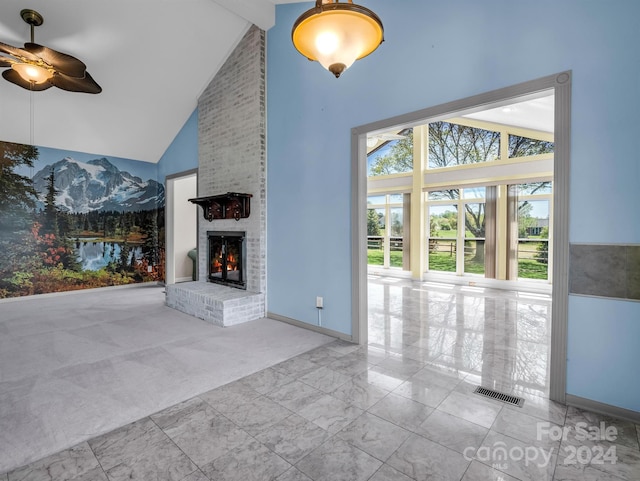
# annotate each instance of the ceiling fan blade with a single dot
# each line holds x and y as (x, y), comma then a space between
(13, 77)
(73, 84)
(5, 61)
(17, 52)
(62, 62)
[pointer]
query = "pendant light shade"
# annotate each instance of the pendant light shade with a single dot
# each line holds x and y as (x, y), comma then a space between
(337, 34)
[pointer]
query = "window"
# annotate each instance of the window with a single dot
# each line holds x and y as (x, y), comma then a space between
(375, 228)
(453, 144)
(524, 146)
(443, 236)
(457, 218)
(474, 236)
(476, 220)
(533, 218)
(391, 156)
(386, 231)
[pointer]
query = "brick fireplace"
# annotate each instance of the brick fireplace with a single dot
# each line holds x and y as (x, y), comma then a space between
(232, 158)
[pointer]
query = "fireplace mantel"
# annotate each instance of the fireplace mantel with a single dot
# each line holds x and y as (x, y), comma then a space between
(231, 205)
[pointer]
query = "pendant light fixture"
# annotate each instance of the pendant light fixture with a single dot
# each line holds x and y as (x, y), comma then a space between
(336, 34)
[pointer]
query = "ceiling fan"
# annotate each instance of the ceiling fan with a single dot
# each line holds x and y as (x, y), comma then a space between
(36, 67)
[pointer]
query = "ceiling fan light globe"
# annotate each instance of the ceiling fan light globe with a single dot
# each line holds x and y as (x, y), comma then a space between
(32, 73)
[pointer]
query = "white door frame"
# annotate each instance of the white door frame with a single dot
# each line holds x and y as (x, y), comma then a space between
(561, 85)
(169, 220)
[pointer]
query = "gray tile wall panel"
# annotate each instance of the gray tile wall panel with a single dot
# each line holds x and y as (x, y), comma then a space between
(605, 270)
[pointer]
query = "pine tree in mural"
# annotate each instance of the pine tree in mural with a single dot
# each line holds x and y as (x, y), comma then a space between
(17, 195)
(17, 201)
(56, 225)
(124, 255)
(50, 219)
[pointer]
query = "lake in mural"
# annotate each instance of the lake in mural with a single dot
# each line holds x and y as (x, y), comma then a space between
(94, 255)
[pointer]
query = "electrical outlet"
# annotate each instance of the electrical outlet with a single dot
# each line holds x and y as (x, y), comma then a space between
(319, 302)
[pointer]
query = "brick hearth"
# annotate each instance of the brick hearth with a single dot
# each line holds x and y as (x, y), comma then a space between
(219, 305)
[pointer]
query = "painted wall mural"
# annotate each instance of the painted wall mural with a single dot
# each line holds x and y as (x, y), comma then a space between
(70, 220)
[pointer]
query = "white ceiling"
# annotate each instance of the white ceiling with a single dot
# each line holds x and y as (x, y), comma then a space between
(531, 113)
(152, 58)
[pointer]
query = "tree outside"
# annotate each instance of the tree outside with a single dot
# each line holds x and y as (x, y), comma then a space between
(399, 158)
(452, 144)
(373, 223)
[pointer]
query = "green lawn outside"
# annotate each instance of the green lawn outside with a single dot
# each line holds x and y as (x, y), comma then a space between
(531, 269)
(444, 262)
(445, 234)
(473, 267)
(376, 258)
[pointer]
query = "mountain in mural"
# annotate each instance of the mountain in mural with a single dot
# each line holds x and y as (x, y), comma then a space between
(97, 185)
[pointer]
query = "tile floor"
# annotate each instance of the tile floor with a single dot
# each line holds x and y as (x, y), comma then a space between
(398, 409)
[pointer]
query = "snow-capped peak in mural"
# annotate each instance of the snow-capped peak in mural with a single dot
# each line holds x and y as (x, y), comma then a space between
(97, 185)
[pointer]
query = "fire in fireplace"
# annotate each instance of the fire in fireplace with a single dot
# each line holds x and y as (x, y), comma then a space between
(227, 255)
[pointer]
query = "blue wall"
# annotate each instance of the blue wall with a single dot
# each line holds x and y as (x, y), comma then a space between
(182, 154)
(603, 355)
(437, 52)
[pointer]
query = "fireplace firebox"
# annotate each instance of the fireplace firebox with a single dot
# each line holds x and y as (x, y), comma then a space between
(227, 257)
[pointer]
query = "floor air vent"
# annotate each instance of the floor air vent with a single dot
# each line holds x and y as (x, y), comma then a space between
(505, 398)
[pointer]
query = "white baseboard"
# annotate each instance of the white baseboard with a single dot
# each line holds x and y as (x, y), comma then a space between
(311, 327)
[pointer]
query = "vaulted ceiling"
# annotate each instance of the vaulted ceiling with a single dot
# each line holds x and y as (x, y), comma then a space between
(152, 58)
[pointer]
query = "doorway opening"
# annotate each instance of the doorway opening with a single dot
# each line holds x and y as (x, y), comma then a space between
(490, 199)
(473, 192)
(181, 226)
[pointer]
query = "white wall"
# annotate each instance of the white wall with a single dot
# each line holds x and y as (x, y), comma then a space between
(185, 231)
